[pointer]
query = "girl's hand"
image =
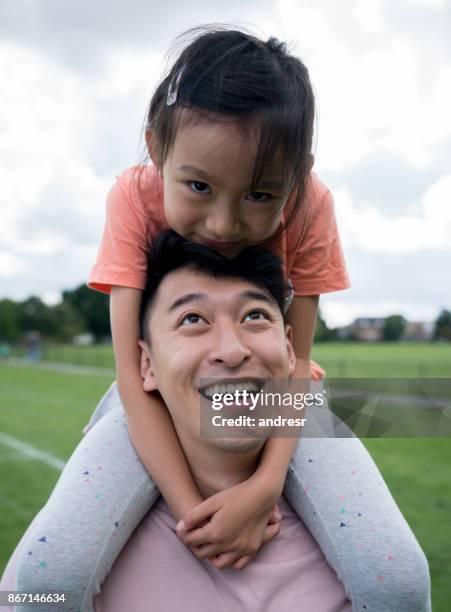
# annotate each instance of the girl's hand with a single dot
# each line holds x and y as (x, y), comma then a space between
(230, 559)
(229, 528)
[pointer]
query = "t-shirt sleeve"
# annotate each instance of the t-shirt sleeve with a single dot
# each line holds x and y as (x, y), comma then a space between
(122, 255)
(319, 265)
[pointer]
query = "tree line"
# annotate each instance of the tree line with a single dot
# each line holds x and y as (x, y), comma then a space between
(83, 310)
(392, 330)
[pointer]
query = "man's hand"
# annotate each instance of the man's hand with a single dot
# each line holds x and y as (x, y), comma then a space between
(229, 527)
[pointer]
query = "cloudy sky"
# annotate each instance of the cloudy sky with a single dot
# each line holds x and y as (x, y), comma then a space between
(76, 80)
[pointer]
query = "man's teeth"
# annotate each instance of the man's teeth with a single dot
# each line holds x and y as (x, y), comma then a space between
(212, 390)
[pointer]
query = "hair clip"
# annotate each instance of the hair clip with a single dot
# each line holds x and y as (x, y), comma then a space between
(173, 88)
(289, 295)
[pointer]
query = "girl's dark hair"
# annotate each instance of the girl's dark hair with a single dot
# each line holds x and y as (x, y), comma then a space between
(232, 73)
(170, 251)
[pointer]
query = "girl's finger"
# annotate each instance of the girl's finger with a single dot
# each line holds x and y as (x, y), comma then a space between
(194, 517)
(224, 560)
(275, 515)
(207, 551)
(271, 532)
(242, 562)
(196, 537)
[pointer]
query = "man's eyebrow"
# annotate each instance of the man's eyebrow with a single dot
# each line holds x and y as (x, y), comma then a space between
(265, 184)
(186, 299)
(248, 294)
(257, 295)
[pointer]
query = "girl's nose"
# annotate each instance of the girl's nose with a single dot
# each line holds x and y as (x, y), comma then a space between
(223, 224)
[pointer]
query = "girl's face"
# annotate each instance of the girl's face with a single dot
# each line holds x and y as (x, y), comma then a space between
(207, 196)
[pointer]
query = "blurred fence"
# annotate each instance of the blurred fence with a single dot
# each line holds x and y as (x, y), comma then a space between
(364, 364)
(350, 367)
(99, 356)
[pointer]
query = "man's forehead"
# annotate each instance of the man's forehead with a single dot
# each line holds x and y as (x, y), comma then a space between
(188, 285)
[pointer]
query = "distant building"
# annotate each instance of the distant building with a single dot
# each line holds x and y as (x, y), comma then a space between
(365, 329)
(418, 331)
(371, 329)
(85, 339)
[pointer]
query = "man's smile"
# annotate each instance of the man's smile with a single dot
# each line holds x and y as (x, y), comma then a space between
(231, 386)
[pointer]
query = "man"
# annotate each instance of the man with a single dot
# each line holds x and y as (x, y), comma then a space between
(206, 318)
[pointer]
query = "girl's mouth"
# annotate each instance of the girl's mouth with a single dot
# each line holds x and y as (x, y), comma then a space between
(219, 245)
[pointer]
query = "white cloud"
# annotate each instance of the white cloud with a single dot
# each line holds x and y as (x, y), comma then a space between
(437, 207)
(367, 228)
(372, 91)
(368, 14)
(67, 128)
(10, 265)
(438, 5)
(51, 298)
(50, 194)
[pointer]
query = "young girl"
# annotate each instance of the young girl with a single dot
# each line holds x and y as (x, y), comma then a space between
(228, 94)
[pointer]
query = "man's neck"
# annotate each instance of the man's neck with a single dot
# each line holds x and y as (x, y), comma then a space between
(215, 469)
(211, 481)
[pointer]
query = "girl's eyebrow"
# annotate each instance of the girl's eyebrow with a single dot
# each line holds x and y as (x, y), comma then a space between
(265, 184)
(190, 169)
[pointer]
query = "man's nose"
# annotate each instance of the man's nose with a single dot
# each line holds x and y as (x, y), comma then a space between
(229, 347)
(223, 222)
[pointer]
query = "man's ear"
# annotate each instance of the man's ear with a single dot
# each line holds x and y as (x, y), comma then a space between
(290, 349)
(146, 368)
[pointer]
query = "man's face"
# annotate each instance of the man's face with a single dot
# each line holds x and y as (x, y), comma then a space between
(203, 327)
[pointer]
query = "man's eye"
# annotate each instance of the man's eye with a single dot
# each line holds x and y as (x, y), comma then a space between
(198, 186)
(257, 196)
(191, 319)
(256, 315)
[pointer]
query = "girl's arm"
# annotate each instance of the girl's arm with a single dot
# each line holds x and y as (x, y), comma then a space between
(149, 424)
(250, 503)
(301, 316)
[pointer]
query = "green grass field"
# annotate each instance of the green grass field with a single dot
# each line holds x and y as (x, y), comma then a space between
(384, 359)
(48, 410)
(340, 359)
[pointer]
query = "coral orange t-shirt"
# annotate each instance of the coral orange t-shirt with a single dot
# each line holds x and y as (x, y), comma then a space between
(310, 249)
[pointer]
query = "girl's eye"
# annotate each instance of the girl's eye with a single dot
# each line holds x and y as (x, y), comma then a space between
(256, 315)
(199, 187)
(191, 319)
(259, 194)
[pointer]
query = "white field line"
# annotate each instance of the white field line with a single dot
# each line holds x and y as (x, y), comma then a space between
(66, 368)
(12, 456)
(31, 451)
(17, 509)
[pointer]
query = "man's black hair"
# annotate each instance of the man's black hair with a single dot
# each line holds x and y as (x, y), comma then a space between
(169, 252)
